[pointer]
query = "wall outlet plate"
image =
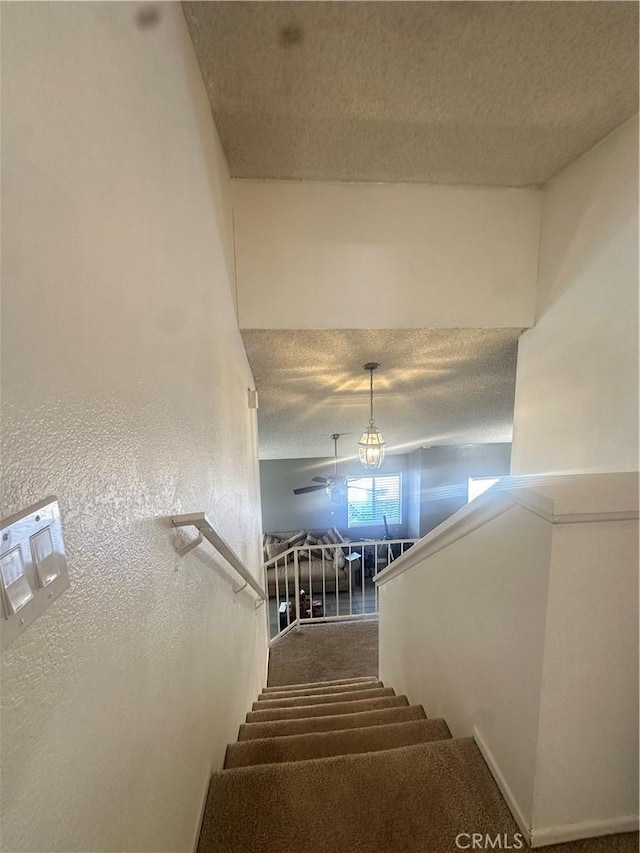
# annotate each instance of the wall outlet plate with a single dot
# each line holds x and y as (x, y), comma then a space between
(33, 566)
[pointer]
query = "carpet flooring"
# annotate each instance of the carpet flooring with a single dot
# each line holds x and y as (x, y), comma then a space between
(330, 651)
(341, 764)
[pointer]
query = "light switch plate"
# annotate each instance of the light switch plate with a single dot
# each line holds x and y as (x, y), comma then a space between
(33, 566)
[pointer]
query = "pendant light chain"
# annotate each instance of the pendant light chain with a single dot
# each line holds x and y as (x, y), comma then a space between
(371, 421)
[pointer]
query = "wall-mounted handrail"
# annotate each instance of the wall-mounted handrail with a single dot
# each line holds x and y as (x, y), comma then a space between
(205, 529)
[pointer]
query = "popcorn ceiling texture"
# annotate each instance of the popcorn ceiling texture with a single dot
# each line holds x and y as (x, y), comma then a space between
(434, 386)
(125, 394)
(454, 92)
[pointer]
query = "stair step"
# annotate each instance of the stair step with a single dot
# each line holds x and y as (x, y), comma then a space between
(325, 710)
(414, 799)
(321, 691)
(336, 722)
(344, 742)
(323, 698)
(358, 680)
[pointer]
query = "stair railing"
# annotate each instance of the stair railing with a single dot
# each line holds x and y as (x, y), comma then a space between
(335, 593)
(207, 531)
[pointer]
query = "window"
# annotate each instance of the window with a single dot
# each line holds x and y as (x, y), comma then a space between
(369, 498)
(478, 485)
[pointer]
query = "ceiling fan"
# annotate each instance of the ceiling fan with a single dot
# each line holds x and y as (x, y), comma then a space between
(334, 485)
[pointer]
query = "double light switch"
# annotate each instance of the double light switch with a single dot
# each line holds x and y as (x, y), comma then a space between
(33, 566)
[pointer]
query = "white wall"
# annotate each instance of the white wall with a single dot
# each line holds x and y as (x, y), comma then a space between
(321, 255)
(576, 405)
(587, 764)
(125, 394)
(519, 625)
(463, 635)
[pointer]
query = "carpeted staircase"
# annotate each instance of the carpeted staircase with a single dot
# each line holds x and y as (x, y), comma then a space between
(348, 766)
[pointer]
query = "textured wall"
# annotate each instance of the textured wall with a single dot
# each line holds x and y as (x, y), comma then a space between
(124, 392)
(576, 406)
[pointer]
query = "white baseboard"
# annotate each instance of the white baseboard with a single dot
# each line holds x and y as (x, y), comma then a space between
(586, 829)
(507, 793)
(552, 834)
(265, 679)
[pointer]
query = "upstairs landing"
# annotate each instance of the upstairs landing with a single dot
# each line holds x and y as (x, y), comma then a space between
(325, 652)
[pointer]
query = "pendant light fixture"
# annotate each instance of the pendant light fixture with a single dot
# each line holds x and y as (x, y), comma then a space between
(371, 445)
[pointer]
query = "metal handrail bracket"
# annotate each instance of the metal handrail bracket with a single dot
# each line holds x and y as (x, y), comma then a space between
(207, 531)
(184, 549)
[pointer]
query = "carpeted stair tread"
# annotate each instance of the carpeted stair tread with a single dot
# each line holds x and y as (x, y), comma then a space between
(323, 698)
(342, 742)
(412, 799)
(322, 710)
(335, 722)
(311, 684)
(321, 691)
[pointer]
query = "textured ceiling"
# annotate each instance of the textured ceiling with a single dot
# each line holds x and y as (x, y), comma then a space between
(434, 386)
(498, 93)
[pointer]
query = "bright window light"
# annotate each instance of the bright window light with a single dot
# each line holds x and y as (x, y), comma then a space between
(478, 485)
(369, 498)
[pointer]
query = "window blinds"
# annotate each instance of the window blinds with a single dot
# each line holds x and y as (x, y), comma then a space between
(370, 498)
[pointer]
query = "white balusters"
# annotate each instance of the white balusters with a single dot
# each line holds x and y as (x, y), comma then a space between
(348, 601)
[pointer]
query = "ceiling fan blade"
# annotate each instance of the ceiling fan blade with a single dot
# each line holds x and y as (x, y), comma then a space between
(305, 489)
(334, 485)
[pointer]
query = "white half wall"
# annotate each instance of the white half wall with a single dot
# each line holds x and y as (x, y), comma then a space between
(124, 384)
(517, 621)
(576, 403)
(313, 255)
(587, 758)
(463, 634)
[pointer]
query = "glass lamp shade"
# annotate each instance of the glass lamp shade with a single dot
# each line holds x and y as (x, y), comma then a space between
(371, 448)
